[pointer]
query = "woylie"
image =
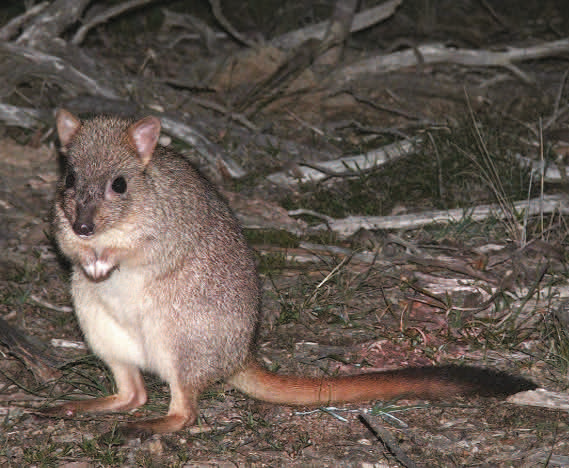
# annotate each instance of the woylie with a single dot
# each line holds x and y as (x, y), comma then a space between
(163, 281)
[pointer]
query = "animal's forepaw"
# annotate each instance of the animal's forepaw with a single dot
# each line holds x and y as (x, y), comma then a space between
(98, 269)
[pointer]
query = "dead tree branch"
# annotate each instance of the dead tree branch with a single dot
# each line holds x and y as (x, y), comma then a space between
(347, 165)
(52, 22)
(49, 66)
(106, 15)
(337, 32)
(24, 117)
(12, 28)
(202, 30)
(211, 152)
(42, 363)
(220, 17)
(362, 20)
(347, 226)
(440, 53)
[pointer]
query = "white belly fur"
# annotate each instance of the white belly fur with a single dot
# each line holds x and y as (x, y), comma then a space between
(111, 313)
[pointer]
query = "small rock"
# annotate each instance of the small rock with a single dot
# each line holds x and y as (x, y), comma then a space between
(155, 446)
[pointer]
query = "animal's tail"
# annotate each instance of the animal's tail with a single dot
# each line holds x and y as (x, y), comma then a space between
(420, 382)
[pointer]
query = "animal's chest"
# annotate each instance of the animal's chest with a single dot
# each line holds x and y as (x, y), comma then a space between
(111, 314)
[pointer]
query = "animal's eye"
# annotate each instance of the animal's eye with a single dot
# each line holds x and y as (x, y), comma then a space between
(70, 179)
(119, 185)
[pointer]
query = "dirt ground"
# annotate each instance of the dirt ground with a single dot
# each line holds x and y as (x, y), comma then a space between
(371, 314)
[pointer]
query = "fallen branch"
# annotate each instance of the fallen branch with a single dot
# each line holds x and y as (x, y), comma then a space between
(441, 286)
(13, 26)
(388, 441)
(337, 32)
(347, 226)
(350, 165)
(272, 87)
(42, 364)
(440, 53)
(48, 305)
(211, 152)
(202, 30)
(221, 19)
(24, 117)
(541, 398)
(49, 66)
(362, 20)
(103, 17)
(546, 169)
(53, 21)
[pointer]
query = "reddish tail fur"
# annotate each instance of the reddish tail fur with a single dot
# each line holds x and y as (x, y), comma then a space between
(421, 382)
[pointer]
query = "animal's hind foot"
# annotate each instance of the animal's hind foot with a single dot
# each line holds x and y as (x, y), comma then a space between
(161, 425)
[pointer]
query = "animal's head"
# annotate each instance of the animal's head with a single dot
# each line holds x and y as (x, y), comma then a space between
(105, 165)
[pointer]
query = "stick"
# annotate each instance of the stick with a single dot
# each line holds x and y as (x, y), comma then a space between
(53, 21)
(54, 66)
(220, 17)
(388, 442)
(24, 117)
(362, 20)
(39, 361)
(439, 53)
(347, 165)
(347, 226)
(337, 32)
(212, 153)
(109, 13)
(550, 172)
(13, 26)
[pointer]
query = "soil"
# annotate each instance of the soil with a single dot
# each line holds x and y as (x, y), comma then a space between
(368, 316)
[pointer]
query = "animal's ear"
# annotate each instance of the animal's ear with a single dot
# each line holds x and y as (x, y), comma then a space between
(67, 125)
(144, 136)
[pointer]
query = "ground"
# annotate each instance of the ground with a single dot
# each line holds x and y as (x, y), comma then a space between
(399, 305)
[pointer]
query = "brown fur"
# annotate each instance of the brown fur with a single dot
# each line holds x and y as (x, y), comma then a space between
(163, 281)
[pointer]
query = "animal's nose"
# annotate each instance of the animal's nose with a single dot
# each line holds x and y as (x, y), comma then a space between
(83, 228)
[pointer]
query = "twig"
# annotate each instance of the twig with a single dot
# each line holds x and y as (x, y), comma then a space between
(191, 22)
(337, 31)
(555, 113)
(53, 20)
(385, 108)
(106, 15)
(269, 89)
(388, 442)
(48, 305)
(212, 153)
(39, 361)
(24, 117)
(396, 131)
(543, 169)
(223, 110)
(330, 174)
(452, 264)
(303, 211)
(220, 17)
(11, 28)
(498, 18)
(304, 123)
